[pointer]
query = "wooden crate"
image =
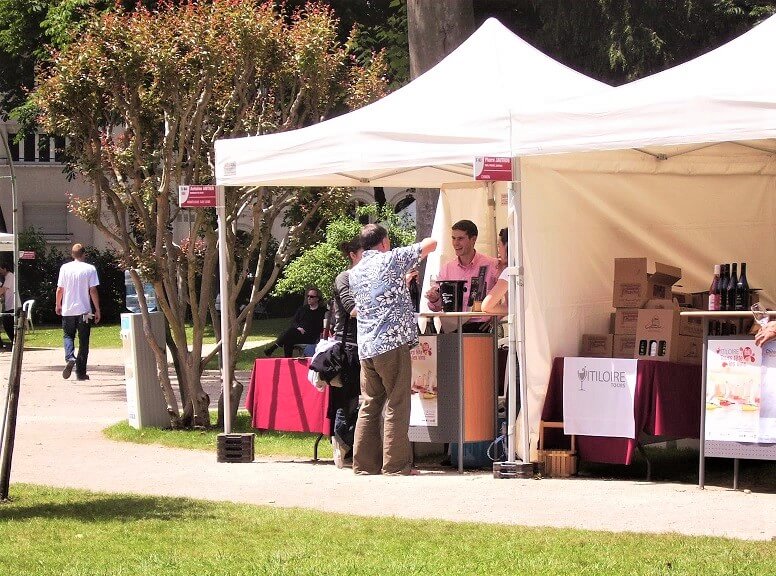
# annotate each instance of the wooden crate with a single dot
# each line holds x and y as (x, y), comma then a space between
(556, 463)
(235, 448)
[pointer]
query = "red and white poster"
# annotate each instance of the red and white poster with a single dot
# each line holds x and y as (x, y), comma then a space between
(734, 377)
(423, 401)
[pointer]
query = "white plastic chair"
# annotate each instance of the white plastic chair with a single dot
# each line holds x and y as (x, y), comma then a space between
(27, 307)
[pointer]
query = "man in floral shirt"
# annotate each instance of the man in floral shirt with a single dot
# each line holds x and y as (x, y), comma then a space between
(386, 332)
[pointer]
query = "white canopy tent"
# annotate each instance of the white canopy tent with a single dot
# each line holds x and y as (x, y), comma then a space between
(680, 167)
(423, 135)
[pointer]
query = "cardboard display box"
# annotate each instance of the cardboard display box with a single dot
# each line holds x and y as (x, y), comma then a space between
(658, 338)
(625, 320)
(657, 331)
(634, 286)
(596, 346)
(688, 326)
(624, 346)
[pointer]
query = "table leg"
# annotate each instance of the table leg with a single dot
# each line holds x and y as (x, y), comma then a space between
(702, 443)
(643, 453)
(735, 473)
(315, 448)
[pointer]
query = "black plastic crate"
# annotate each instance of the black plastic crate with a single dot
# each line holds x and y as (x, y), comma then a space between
(235, 447)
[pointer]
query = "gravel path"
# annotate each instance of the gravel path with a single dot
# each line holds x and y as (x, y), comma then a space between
(59, 443)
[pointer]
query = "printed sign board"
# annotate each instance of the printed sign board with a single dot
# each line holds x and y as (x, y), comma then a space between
(740, 391)
(493, 168)
(27, 255)
(423, 402)
(598, 397)
(197, 196)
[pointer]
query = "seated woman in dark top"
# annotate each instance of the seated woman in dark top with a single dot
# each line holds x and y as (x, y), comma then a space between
(306, 326)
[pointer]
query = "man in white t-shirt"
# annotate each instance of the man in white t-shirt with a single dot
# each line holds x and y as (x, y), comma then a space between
(8, 291)
(77, 283)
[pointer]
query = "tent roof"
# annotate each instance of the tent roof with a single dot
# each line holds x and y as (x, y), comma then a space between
(424, 134)
(728, 94)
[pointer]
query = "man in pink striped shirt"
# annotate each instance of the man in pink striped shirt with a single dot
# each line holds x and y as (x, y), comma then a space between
(465, 266)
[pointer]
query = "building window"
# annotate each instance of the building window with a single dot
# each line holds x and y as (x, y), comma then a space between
(29, 148)
(49, 219)
(44, 148)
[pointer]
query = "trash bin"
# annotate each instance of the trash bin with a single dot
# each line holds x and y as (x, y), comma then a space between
(146, 405)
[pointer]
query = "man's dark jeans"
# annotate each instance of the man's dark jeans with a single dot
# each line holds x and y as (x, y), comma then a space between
(71, 325)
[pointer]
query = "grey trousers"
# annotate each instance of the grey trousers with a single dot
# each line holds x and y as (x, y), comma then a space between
(385, 381)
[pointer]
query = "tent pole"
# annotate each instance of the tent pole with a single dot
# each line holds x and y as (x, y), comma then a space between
(223, 273)
(517, 304)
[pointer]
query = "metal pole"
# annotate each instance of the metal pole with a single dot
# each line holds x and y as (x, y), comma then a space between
(702, 444)
(461, 396)
(516, 285)
(223, 272)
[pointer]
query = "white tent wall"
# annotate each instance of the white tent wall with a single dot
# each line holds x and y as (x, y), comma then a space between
(484, 203)
(694, 210)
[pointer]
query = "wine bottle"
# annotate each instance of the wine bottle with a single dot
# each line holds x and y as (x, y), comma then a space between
(742, 290)
(731, 287)
(723, 284)
(715, 300)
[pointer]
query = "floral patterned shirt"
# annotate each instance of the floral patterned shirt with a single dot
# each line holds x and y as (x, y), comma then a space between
(386, 319)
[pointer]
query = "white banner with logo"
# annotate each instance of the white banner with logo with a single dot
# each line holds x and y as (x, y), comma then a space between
(423, 402)
(598, 397)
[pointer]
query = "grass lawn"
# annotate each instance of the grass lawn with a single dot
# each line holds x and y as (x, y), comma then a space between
(46, 531)
(291, 444)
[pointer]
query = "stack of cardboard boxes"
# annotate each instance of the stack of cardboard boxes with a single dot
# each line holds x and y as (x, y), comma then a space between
(646, 322)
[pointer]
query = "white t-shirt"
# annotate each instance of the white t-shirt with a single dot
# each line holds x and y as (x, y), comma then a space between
(504, 276)
(76, 278)
(9, 283)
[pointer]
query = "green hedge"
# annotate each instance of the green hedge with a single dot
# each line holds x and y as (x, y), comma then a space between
(38, 278)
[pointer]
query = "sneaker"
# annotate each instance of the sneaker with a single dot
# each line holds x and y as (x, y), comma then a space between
(68, 369)
(340, 449)
(269, 350)
(84, 377)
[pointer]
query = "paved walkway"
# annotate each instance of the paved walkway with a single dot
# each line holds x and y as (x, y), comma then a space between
(59, 443)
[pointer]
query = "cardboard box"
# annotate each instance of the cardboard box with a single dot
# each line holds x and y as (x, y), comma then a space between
(633, 285)
(691, 326)
(657, 331)
(624, 346)
(700, 300)
(596, 346)
(625, 320)
(684, 299)
(689, 350)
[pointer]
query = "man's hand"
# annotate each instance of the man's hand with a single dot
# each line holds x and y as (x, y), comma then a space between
(766, 334)
(58, 309)
(410, 275)
(432, 294)
(96, 316)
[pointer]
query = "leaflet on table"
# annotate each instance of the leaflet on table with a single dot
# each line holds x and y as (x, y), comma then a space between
(734, 376)
(423, 401)
(598, 397)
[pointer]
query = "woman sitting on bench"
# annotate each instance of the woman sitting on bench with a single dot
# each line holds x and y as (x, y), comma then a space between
(306, 326)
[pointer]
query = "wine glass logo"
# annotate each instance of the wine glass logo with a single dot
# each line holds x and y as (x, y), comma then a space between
(582, 377)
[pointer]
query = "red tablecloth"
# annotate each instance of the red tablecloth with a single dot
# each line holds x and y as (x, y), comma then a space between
(667, 403)
(280, 397)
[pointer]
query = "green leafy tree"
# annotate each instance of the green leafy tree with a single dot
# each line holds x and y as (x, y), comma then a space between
(142, 98)
(320, 265)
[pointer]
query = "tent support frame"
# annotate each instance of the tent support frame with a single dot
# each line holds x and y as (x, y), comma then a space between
(517, 353)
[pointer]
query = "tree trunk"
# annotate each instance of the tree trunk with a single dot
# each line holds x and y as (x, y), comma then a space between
(434, 29)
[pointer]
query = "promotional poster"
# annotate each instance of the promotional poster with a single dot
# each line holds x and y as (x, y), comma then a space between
(424, 383)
